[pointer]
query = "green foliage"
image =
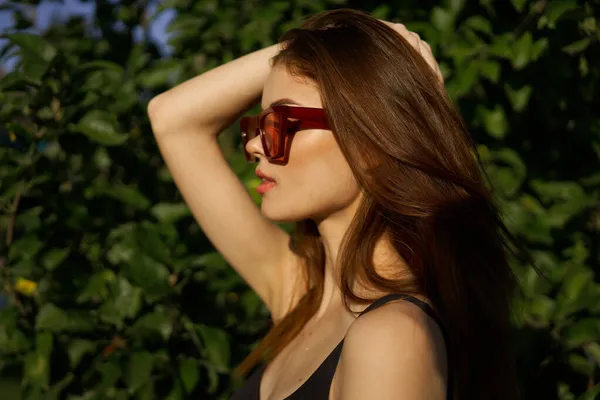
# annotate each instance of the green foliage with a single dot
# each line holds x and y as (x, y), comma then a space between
(116, 293)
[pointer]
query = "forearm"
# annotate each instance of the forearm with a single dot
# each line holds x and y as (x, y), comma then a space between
(212, 101)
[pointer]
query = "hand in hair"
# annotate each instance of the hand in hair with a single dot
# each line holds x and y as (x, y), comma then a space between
(419, 44)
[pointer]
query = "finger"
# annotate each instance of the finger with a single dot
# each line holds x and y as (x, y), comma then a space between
(419, 45)
(404, 32)
(426, 52)
(430, 59)
(413, 40)
(427, 56)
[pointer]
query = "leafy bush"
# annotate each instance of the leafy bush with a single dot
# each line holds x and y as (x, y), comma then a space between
(115, 292)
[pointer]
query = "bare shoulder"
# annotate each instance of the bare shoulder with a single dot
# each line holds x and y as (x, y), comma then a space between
(396, 350)
(396, 319)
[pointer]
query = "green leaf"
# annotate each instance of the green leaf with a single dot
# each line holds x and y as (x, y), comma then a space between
(522, 50)
(252, 303)
(495, 122)
(146, 392)
(101, 64)
(125, 302)
(216, 346)
(150, 275)
(99, 126)
(128, 299)
(58, 387)
(572, 287)
(175, 393)
(126, 194)
(26, 247)
(124, 246)
(465, 80)
(480, 24)
(12, 339)
(518, 97)
(32, 46)
(213, 376)
(591, 394)
(54, 257)
(160, 75)
(77, 349)
(156, 322)
(36, 370)
(502, 45)
(455, 6)
(538, 48)
(542, 308)
(381, 12)
(580, 364)
(110, 372)
(36, 53)
(582, 331)
(170, 212)
(189, 372)
(442, 20)
(37, 364)
(138, 59)
(577, 47)
(30, 219)
(211, 261)
(139, 370)
(519, 4)
(54, 319)
(527, 216)
(102, 159)
(16, 79)
(150, 242)
(43, 343)
(592, 349)
(507, 170)
(567, 200)
(96, 288)
(491, 70)
(557, 9)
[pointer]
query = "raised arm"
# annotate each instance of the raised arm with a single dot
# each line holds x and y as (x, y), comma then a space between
(186, 121)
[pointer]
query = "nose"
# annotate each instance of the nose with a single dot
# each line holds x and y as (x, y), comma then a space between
(254, 147)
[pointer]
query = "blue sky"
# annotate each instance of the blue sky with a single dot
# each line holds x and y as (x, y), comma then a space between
(49, 10)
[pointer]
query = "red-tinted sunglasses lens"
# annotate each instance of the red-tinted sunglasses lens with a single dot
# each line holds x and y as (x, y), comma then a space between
(271, 138)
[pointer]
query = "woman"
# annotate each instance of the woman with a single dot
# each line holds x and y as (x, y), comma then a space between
(358, 144)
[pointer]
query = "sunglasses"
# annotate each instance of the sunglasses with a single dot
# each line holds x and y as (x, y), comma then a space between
(274, 126)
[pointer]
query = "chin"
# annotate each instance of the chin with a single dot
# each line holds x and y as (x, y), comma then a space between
(280, 213)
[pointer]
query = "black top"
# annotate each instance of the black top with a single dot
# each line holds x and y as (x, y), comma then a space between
(318, 384)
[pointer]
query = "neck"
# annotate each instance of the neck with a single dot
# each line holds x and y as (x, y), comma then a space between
(385, 259)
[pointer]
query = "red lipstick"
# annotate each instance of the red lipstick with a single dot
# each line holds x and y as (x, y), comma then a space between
(267, 183)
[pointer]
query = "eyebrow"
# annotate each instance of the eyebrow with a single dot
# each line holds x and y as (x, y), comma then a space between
(282, 102)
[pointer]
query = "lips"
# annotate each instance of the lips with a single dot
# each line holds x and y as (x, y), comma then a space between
(264, 176)
(267, 183)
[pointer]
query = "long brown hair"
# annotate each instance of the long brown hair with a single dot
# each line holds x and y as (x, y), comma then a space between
(423, 188)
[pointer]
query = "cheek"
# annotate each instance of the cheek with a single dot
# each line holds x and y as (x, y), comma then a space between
(317, 180)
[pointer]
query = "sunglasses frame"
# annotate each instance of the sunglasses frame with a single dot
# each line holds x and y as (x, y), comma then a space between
(303, 118)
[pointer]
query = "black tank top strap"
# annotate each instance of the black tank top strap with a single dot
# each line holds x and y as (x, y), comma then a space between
(419, 303)
(381, 301)
(397, 296)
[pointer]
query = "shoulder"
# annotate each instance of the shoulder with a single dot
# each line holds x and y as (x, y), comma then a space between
(394, 320)
(396, 350)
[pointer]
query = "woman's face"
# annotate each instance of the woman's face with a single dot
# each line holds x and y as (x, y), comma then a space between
(317, 182)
